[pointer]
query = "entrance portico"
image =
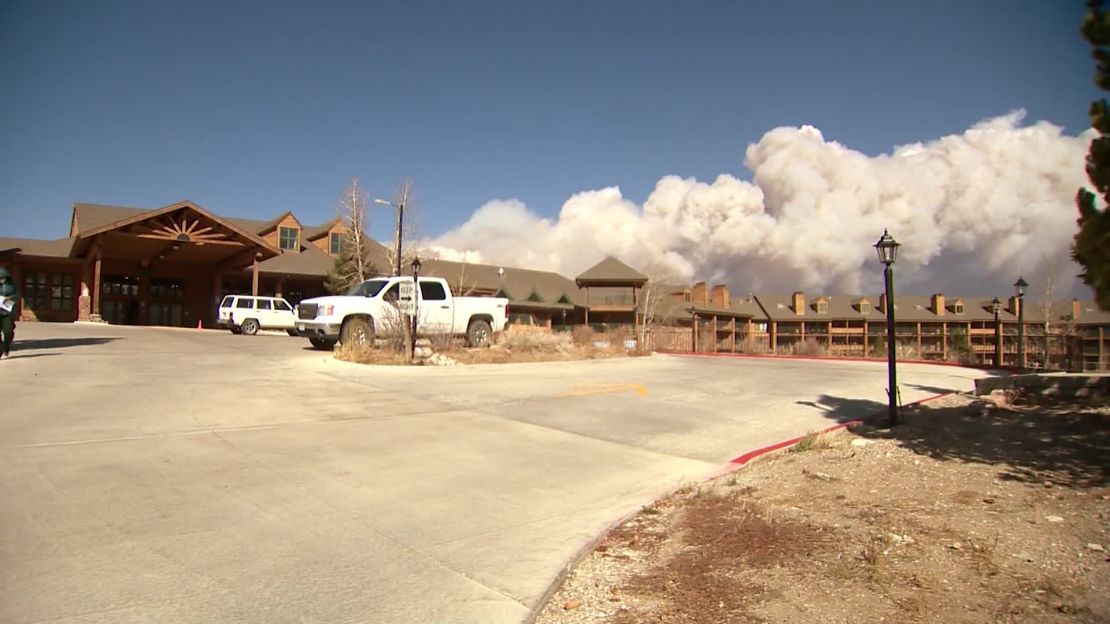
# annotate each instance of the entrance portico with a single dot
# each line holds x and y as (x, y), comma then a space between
(163, 267)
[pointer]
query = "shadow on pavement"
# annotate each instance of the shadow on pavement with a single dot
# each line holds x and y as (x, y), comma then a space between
(1043, 440)
(57, 343)
(25, 356)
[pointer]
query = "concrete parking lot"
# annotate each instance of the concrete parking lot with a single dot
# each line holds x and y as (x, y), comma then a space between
(167, 475)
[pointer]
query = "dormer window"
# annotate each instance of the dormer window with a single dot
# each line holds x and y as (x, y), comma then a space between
(865, 307)
(821, 306)
(958, 307)
(289, 238)
(335, 242)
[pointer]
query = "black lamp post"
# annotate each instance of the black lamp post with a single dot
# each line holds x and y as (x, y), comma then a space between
(996, 306)
(415, 302)
(888, 253)
(1019, 287)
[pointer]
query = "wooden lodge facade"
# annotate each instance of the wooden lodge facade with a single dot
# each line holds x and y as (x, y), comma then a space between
(172, 265)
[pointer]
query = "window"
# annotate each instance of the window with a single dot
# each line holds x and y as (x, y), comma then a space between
(958, 307)
(432, 291)
(865, 307)
(264, 304)
(336, 243)
(244, 303)
(61, 291)
(288, 238)
(281, 305)
(35, 290)
(822, 307)
(393, 294)
(167, 289)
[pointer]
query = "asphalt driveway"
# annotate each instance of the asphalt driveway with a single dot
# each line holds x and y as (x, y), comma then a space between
(162, 475)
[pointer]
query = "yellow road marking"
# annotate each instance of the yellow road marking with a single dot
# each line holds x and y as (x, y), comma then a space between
(603, 389)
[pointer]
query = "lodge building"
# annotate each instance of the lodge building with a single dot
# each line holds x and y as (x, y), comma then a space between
(172, 265)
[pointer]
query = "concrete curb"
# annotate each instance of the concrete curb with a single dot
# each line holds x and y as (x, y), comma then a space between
(829, 358)
(733, 465)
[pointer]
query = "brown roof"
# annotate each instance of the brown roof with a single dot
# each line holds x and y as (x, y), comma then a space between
(519, 284)
(610, 271)
(30, 247)
(90, 216)
(312, 233)
(907, 308)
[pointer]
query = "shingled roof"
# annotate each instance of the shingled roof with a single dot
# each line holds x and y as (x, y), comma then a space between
(90, 216)
(524, 287)
(30, 247)
(611, 272)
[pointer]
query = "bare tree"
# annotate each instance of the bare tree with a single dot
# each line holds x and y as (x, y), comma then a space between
(408, 230)
(352, 265)
(1051, 269)
(656, 307)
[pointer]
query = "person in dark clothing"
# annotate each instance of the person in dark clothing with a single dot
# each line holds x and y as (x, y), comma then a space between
(9, 306)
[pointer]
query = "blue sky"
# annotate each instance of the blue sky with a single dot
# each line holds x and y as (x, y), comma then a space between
(254, 108)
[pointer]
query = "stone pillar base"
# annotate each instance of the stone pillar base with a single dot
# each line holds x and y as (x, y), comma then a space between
(84, 308)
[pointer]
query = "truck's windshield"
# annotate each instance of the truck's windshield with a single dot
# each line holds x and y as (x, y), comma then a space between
(369, 288)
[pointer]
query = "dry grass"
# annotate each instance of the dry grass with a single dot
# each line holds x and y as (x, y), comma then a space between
(371, 355)
(814, 441)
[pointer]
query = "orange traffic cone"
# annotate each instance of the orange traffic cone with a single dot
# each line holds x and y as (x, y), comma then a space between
(199, 326)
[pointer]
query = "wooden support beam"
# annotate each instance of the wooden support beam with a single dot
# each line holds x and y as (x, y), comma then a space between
(98, 256)
(254, 277)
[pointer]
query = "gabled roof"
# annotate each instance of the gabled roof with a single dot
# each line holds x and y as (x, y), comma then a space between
(312, 233)
(612, 272)
(136, 217)
(89, 216)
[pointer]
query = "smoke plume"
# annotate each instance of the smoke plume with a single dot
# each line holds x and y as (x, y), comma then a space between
(972, 211)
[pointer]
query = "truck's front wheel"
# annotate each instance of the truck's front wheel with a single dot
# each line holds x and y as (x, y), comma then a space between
(478, 334)
(357, 332)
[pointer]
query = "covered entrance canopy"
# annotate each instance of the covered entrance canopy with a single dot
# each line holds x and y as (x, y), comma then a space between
(160, 266)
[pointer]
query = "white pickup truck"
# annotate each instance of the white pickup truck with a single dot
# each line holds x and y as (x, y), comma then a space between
(376, 305)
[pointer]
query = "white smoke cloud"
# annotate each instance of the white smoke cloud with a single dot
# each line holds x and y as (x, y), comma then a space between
(972, 211)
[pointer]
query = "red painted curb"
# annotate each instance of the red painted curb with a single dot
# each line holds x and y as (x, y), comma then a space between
(829, 358)
(750, 455)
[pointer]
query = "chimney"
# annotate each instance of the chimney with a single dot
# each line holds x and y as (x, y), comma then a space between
(719, 296)
(1015, 303)
(700, 293)
(938, 304)
(799, 304)
(1076, 310)
(882, 302)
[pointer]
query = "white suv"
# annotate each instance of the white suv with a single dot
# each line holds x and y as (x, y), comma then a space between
(247, 314)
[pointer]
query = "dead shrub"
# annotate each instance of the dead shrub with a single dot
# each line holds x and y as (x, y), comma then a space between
(535, 342)
(366, 354)
(582, 335)
(809, 346)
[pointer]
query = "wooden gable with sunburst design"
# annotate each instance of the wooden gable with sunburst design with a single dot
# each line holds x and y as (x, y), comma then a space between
(183, 232)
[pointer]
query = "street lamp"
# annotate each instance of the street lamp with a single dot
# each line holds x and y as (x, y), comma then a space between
(415, 302)
(887, 248)
(1019, 287)
(400, 219)
(996, 306)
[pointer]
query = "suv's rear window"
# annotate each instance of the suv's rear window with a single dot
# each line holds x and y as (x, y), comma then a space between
(245, 303)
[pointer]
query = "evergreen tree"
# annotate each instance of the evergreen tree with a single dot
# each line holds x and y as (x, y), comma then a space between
(352, 265)
(1092, 243)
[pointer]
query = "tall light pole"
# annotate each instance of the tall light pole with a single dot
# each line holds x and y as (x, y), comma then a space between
(415, 303)
(887, 248)
(996, 306)
(1019, 287)
(400, 220)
